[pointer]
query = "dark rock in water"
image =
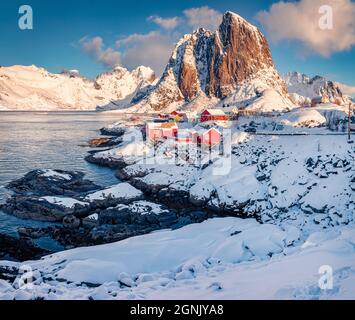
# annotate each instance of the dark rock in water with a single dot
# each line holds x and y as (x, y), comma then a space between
(52, 182)
(118, 223)
(71, 238)
(113, 131)
(67, 237)
(33, 233)
(41, 209)
(21, 249)
(106, 162)
(104, 142)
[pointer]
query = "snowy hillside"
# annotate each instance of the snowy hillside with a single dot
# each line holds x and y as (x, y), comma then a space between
(33, 88)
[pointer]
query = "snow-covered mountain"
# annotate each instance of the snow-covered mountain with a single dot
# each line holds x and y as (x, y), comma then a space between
(33, 88)
(303, 89)
(232, 64)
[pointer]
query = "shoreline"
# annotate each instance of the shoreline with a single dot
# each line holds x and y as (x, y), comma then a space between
(178, 199)
(139, 225)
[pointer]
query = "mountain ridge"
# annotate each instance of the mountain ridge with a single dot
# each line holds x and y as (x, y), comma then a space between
(304, 88)
(212, 66)
(231, 67)
(34, 88)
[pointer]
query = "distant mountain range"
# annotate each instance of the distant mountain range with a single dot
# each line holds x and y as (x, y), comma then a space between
(231, 67)
(33, 88)
(303, 88)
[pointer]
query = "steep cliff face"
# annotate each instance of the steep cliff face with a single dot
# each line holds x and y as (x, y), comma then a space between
(240, 51)
(215, 65)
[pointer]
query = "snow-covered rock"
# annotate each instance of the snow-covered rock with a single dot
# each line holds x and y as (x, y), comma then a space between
(304, 88)
(271, 176)
(305, 117)
(120, 193)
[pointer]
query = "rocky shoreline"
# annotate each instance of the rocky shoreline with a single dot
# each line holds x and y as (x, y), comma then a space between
(86, 214)
(158, 196)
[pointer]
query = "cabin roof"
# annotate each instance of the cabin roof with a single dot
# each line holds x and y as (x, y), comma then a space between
(214, 112)
(205, 131)
(162, 125)
(181, 113)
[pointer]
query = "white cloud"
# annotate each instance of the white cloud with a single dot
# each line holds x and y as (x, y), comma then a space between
(166, 23)
(94, 47)
(203, 17)
(300, 21)
(348, 90)
(152, 49)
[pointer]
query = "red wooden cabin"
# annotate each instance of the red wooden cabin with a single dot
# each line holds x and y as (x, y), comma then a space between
(213, 115)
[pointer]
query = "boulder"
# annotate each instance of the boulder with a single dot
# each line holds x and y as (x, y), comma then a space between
(71, 222)
(111, 162)
(20, 249)
(122, 193)
(114, 130)
(138, 214)
(52, 182)
(104, 142)
(51, 209)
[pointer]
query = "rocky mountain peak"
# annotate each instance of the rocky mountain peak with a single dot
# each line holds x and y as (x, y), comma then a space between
(214, 64)
(240, 50)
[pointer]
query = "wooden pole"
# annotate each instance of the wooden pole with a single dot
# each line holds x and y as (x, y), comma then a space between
(349, 126)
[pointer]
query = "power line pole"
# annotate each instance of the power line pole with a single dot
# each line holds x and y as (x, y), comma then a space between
(349, 123)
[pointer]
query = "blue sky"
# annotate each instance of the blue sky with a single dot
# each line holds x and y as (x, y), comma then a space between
(59, 25)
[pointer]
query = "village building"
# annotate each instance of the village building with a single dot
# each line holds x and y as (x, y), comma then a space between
(213, 115)
(156, 131)
(179, 116)
(208, 137)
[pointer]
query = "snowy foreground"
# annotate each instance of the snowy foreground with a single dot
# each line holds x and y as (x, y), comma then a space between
(301, 187)
(221, 258)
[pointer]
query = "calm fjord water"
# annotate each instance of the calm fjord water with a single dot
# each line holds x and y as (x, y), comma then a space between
(33, 140)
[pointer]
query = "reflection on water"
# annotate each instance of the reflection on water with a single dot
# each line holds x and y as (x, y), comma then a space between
(52, 140)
